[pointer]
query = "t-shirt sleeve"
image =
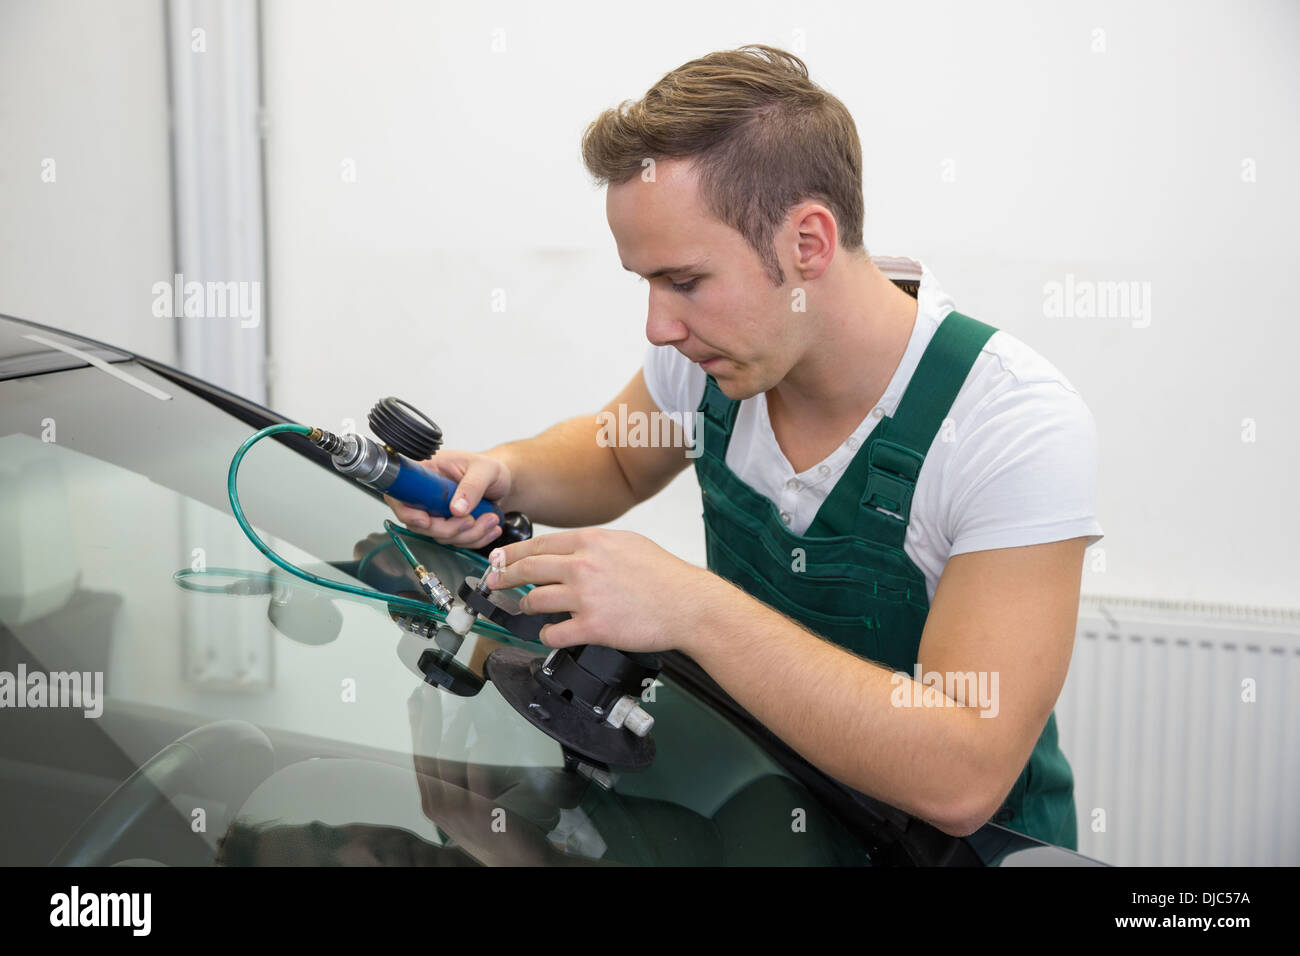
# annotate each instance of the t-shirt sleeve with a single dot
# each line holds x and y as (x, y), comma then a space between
(1025, 472)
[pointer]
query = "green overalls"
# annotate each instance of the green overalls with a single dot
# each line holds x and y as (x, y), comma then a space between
(847, 578)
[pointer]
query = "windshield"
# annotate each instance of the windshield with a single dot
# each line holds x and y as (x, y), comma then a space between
(133, 603)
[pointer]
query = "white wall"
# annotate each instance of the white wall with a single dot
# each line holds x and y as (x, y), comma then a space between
(1000, 148)
(1003, 147)
(85, 84)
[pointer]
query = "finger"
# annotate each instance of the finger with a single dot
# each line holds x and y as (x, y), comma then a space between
(470, 491)
(476, 532)
(440, 530)
(459, 531)
(550, 599)
(409, 516)
(449, 464)
(557, 542)
(536, 569)
(487, 537)
(564, 634)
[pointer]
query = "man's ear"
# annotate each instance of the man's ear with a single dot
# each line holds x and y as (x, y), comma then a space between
(815, 238)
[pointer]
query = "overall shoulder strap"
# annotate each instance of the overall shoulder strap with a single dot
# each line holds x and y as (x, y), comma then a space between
(719, 419)
(939, 376)
(894, 457)
(883, 474)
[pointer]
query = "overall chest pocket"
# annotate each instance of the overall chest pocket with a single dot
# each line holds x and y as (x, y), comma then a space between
(864, 612)
(867, 598)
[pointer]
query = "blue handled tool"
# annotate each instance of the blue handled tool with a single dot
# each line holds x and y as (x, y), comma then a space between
(409, 436)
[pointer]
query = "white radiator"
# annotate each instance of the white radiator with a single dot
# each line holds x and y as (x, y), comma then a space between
(1154, 723)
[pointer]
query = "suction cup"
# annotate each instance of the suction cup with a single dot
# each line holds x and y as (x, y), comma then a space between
(516, 674)
(306, 617)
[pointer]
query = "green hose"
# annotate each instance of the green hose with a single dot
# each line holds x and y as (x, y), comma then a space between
(423, 608)
(394, 533)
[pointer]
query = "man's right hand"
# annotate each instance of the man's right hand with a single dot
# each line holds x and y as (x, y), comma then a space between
(477, 477)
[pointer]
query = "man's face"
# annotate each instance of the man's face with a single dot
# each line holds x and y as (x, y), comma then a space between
(715, 304)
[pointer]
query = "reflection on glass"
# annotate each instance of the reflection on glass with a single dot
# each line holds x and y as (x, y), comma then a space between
(373, 764)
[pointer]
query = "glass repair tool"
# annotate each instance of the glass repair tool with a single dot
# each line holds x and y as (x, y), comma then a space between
(409, 437)
(586, 697)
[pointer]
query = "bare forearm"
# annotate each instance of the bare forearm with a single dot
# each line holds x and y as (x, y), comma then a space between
(836, 710)
(564, 477)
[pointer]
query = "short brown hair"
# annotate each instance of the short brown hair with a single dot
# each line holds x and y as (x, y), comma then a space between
(763, 136)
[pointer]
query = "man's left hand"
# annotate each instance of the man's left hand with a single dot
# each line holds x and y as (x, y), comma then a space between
(620, 588)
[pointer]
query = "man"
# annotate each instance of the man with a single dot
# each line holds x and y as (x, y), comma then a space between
(888, 485)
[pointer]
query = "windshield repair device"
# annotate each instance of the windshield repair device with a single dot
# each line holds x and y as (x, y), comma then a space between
(409, 436)
(585, 697)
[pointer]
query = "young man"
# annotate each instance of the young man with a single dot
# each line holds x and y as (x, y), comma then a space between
(888, 485)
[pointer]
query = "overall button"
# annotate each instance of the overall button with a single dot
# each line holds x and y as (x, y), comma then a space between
(823, 470)
(793, 484)
(877, 412)
(852, 442)
(785, 517)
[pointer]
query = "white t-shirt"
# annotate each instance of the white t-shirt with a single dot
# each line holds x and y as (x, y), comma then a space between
(1019, 465)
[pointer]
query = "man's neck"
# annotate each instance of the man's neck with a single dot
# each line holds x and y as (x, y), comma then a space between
(864, 325)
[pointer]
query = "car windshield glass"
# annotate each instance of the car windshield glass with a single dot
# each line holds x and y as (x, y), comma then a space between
(314, 739)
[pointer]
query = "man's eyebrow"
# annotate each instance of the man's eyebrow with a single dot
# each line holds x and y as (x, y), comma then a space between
(691, 267)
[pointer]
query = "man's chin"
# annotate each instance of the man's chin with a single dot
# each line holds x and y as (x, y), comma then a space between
(737, 387)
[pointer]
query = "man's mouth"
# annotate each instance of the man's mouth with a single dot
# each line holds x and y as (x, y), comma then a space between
(704, 361)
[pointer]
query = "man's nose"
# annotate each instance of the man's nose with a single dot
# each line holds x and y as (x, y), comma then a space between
(661, 326)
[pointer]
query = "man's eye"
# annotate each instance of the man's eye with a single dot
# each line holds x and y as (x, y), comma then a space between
(685, 286)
